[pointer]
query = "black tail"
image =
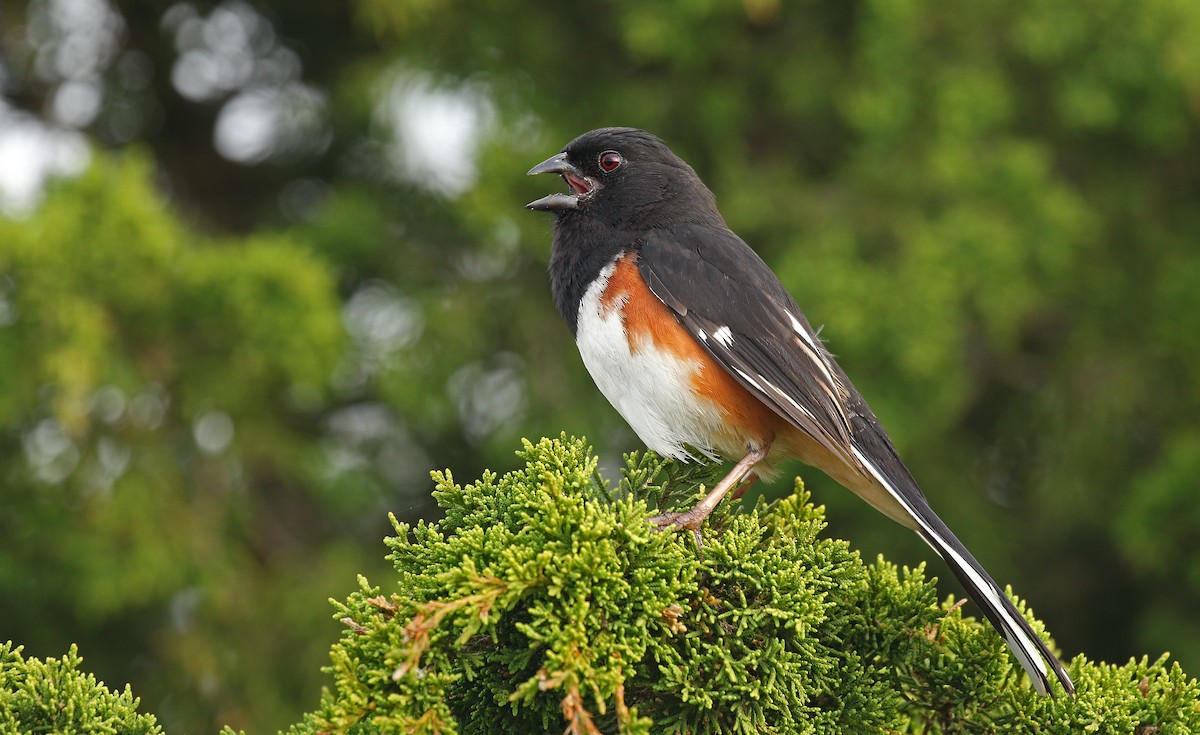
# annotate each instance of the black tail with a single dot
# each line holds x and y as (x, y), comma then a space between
(1031, 652)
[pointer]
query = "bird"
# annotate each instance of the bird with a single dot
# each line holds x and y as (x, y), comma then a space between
(698, 345)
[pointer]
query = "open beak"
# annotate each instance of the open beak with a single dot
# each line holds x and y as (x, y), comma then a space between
(580, 185)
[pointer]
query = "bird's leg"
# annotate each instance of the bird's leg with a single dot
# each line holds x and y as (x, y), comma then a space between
(692, 519)
(748, 483)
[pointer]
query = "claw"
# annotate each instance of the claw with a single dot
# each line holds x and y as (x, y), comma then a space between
(690, 519)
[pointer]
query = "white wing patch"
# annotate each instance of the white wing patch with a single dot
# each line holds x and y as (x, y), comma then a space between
(832, 385)
(748, 378)
(801, 331)
(724, 336)
(779, 392)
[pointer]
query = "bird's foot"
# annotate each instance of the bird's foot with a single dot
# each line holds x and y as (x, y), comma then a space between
(691, 520)
(694, 518)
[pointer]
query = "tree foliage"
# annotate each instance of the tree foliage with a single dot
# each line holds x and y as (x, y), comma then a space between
(53, 695)
(152, 375)
(544, 596)
(544, 599)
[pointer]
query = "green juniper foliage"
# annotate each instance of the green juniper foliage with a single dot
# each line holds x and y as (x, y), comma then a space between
(53, 696)
(544, 600)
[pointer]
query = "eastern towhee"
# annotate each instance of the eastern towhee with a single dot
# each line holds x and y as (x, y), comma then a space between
(702, 350)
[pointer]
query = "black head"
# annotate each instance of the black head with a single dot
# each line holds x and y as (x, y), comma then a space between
(626, 178)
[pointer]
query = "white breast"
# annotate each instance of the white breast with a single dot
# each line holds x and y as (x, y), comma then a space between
(652, 390)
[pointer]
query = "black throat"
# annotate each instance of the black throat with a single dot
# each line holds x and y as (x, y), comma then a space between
(582, 247)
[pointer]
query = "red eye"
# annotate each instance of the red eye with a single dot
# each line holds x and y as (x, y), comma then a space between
(610, 161)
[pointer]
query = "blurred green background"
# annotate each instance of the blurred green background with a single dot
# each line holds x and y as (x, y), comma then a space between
(263, 265)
